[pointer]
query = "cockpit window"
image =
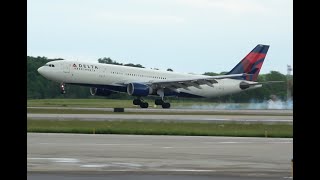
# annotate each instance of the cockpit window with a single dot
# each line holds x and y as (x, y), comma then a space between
(50, 65)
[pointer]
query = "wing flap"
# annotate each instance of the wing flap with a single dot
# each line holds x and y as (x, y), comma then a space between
(190, 82)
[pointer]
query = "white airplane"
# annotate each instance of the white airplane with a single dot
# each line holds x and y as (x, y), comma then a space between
(105, 79)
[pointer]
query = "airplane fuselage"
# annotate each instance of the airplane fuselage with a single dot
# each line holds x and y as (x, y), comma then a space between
(115, 78)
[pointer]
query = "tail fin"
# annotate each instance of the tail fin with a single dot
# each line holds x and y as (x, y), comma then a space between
(252, 63)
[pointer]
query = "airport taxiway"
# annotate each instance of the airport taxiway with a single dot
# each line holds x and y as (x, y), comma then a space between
(213, 156)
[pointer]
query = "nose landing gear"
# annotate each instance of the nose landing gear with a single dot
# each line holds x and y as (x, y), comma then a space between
(62, 88)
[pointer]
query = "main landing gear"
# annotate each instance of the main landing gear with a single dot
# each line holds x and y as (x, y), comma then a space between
(165, 105)
(141, 103)
(144, 104)
(62, 88)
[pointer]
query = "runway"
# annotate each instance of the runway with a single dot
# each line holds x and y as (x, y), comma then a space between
(166, 117)
(130, 176)
(286, 112)
(178, 157)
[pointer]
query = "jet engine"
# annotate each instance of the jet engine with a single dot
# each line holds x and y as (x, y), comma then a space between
(136, 89)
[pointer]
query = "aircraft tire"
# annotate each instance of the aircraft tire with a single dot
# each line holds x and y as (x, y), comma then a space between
(166, 105)
(144, 105)
(137, 102)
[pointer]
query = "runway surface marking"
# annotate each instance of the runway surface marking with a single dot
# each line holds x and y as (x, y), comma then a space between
(62, 160)
(114, 164)
(96, 144)
(174, 118)
(254, 157)
(167, 147)
(268, 140)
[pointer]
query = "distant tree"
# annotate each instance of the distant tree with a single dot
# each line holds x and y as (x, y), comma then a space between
(134, 65)
(210, 74)
(278, 89)
(108, 61)
(275, 76)
(223, 72)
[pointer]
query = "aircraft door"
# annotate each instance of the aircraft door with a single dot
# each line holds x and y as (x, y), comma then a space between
(66, 68)
(66, 72)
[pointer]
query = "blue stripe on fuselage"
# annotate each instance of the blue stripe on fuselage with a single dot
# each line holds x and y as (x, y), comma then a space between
(259, 61)
(124, 90)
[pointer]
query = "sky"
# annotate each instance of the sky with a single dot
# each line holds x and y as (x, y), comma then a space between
(191, 36)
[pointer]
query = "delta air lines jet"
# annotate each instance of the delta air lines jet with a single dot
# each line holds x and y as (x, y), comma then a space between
(105, 79)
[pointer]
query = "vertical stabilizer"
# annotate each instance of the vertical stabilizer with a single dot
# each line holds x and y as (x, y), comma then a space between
(252, 63)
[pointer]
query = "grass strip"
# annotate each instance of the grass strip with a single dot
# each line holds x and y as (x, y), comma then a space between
(125, 103)
(160, 128)
(80, 102)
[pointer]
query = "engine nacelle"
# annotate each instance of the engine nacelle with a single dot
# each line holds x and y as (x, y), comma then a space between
(136, 89)
(244, 85)
(100, 92)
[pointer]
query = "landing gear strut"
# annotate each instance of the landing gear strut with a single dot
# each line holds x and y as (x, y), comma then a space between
(158, 102)
(165, 105)
(141, 103)
(62, 88)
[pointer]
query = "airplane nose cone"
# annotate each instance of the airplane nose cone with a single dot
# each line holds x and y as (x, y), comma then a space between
(40, 70)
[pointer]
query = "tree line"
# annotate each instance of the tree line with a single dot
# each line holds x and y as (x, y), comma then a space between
(40, 88)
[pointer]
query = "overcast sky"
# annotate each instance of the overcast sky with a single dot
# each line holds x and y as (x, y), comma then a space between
(185, 35)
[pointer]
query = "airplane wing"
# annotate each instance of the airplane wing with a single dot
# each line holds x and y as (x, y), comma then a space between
(185, 83)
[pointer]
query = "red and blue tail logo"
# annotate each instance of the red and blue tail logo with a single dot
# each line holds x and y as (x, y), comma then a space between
(252, 63)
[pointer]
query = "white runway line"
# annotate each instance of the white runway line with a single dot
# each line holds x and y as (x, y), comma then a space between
(62, 160)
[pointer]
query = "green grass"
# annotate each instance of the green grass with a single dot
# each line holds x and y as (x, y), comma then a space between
(161, 128)
(80, 103)
(111, 103)
(66, 111)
